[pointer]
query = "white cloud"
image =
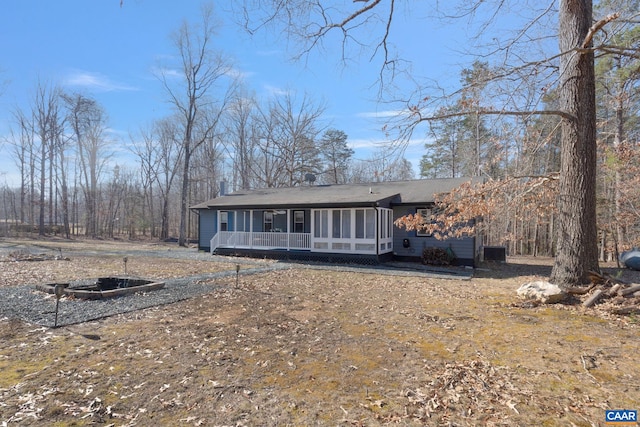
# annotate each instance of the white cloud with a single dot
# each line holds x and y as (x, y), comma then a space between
(357, 144)
(381, 114)
(95, 81)
(275, 91)
(166, 72)
(236, 73)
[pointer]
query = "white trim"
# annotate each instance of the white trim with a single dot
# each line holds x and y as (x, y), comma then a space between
(424, 212)
(271, 240)
(352, 244)
(260, 240)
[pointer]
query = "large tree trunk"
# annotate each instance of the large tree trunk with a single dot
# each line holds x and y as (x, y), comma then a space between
(43, 176)
(184, 194)
(64, 194)
(577, 232)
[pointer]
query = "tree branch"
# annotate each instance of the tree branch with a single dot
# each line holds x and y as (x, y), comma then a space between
(558, 113)
(597, 27)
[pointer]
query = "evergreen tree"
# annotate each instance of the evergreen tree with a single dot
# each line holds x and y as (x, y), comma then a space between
(336, 156)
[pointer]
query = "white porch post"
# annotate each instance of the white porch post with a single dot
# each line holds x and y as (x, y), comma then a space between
(378, 221)
(312, 224)
(251, 228)
(288, 230)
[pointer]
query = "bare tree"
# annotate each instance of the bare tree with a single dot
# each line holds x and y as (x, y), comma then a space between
(87, 120)
(384, 164)
(61, 167)
(169, 154)
(45, 113)
(297, 126)
(203, 72)
(267, 167)
(23, 142)
(160, 154)
(240, 123)
(147, 151)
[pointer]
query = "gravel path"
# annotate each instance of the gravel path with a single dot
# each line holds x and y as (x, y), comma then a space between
(31, 305)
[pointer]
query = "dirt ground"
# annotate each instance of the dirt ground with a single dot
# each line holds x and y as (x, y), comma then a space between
(305, 346)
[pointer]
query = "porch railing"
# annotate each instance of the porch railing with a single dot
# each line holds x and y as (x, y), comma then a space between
(260, 240)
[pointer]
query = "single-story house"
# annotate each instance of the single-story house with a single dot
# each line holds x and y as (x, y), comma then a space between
(337, 223)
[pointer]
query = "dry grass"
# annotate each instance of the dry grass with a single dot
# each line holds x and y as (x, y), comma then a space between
(314, 347)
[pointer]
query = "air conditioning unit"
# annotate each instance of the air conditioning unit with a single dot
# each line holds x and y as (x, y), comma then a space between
(494, 253)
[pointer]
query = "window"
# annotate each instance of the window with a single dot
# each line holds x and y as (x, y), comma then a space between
(224, 221)
(336, 224)
(321, 223)
(365, 224)
(341, 224)
(385, 223)
(298, 221)
(268, 221)
(426, 218)
(370, 232)
(346, 224)
(359, 223)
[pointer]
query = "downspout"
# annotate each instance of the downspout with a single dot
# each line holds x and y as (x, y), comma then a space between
(375, 206)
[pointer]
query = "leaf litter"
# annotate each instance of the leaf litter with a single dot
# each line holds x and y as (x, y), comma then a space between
(313, 347)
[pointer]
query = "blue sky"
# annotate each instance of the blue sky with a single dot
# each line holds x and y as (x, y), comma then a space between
(109, 52)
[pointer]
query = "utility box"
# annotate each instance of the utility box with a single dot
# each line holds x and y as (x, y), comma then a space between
(494, 253)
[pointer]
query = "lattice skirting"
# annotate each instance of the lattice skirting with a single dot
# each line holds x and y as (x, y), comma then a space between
(333, 258)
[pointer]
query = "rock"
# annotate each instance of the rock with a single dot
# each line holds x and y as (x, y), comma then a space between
(545, 292)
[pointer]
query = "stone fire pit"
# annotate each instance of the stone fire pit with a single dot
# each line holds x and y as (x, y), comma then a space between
(103, 287)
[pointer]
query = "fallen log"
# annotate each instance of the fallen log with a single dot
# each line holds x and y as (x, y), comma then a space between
(629, 291)
(625, 310)
(593, 298)
(580, 290)
(614, 290)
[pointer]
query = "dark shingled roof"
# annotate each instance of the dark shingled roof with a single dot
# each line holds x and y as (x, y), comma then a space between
(378, 193)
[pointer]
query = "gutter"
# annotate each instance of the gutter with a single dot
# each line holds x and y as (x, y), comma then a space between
(375, 207)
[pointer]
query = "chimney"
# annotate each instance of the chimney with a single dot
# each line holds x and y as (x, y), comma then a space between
(223, 188)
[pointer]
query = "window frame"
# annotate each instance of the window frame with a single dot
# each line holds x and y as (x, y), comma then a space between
(224, 220)
(267, 221)
(296, 222)
(429, 212)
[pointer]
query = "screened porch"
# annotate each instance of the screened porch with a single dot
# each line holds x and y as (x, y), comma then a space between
(353, 230)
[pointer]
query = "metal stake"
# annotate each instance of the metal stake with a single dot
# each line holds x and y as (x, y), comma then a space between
(237, 274)
(59, 290)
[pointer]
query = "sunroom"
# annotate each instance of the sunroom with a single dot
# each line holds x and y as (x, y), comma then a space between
(336, 230)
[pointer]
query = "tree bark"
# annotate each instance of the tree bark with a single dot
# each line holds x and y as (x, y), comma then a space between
(182, 232)
(577, 233)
